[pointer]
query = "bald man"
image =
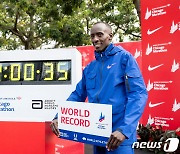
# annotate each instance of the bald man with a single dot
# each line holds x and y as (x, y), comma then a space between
(112, 78)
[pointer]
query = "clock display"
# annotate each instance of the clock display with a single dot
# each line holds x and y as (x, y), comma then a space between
(36, 72)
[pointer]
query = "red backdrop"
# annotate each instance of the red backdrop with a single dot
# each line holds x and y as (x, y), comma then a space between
(160, 47)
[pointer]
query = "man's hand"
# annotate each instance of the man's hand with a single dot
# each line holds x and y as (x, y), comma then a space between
(115, 140)
(54, 127)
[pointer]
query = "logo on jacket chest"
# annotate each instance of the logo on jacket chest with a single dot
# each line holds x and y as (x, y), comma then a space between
(109, 66)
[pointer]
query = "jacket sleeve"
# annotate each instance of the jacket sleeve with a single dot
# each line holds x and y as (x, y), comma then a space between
(136, 95)
(79, 94)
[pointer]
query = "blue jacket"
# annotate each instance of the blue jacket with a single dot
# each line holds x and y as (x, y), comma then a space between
(114, 78)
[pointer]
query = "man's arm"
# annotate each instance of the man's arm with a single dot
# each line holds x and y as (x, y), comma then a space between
(136, 97)
(136, 100)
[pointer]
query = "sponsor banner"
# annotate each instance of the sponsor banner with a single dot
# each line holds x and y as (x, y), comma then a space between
(157, 48)
(79, 121)
(161, 58)
(20, 108)
(159, 85)
(164, 112)
(160, 121)
(156, 11)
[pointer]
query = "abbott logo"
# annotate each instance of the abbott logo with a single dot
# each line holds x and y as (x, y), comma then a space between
(170, 145)
(37, 104)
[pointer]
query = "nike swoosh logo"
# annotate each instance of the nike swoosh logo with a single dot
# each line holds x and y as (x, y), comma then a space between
(109, 66)
(153, 68)
(149, 32)
(156, 104)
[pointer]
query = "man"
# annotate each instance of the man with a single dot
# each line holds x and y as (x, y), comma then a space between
(113, 78)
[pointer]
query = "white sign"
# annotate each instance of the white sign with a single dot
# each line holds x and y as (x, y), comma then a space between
(85, 122)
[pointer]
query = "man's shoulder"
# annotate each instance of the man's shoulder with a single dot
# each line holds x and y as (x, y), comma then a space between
(91, 65)
(123, 56)
(121, 53)
(92, 62)
(121, 49)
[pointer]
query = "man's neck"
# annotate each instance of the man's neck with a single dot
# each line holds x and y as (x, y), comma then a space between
(100, 51)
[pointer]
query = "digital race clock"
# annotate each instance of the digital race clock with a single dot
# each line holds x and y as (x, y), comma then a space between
(36, 72)
(34, 82)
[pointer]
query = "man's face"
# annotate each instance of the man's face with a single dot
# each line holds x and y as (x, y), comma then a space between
(101, 36)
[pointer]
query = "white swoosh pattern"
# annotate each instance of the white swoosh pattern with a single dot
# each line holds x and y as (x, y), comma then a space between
(149, 32)
(153, 68)
(156, 104)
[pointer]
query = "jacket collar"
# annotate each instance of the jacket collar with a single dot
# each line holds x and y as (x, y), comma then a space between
(105, 54)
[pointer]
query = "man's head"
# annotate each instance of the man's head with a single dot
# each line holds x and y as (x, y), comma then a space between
(101, 36)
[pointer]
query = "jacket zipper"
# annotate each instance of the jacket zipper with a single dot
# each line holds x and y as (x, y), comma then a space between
(127, 83)
(97, 97)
